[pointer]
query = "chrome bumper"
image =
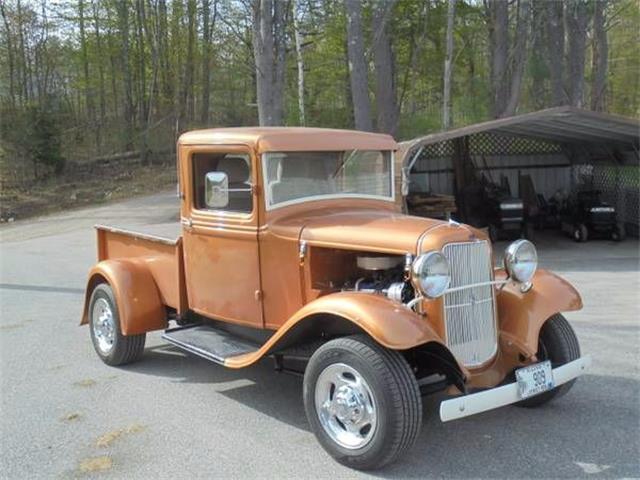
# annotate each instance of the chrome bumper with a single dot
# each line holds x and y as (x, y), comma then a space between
(467, 405)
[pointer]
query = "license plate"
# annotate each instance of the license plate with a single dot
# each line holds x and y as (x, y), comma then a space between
(534, 379)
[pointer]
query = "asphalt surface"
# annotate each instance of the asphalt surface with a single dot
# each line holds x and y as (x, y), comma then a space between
(64, 414)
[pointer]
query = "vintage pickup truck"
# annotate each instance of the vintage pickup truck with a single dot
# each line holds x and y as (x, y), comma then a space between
(293, 248)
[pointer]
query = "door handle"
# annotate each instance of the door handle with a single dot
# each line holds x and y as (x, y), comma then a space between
(186, 223)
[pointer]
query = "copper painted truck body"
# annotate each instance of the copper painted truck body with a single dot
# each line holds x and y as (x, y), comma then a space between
(287, 264)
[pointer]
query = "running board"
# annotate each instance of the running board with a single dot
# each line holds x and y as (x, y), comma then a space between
(209, 342)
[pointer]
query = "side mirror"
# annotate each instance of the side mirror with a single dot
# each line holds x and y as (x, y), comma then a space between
(216, 190)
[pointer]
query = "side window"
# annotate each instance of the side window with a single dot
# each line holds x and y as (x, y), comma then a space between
(222, 182)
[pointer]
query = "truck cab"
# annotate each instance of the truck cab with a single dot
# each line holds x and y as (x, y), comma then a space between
(294, 247)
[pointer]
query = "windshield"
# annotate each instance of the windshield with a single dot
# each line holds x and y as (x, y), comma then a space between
(293, 177)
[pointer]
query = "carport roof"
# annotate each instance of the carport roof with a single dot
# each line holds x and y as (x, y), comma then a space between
(560, 124)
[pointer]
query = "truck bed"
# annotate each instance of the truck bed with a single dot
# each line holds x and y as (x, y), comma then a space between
(162, 255)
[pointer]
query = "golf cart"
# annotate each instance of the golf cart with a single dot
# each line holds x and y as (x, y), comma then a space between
(587, 216)
(505, 214)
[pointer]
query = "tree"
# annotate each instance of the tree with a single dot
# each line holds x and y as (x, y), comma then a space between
(208, 22)
(295, 5)
(600, 57)
(25, 71)
(188, 86)
(498, 22)
(43, 136)
(269, 56)
(519, 57)
(386, 103)
(448, 64)
(116, 76)
(577, 19)
(279, 34)
(507, 65)
(10, 56)
(538, 70)
(164, 57)
(99, 48)
(357, 66)
(85, 61)
(555, 34)
(123, 24)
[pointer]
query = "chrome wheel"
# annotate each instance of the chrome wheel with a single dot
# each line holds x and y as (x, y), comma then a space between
(345, 406)
(104, 325)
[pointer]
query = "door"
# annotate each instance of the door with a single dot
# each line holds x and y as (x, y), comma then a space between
(220, 231)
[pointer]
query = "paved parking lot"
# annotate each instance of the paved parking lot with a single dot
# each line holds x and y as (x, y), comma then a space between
(64, 414)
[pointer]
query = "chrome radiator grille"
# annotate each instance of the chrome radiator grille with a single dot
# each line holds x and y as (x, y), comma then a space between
(469, 314)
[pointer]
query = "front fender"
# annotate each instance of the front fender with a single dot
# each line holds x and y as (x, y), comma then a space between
(523, 314)
(140, 307)
(387, 322)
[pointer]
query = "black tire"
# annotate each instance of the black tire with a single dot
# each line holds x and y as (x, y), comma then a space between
(618, 233)
(494, 234)
(559, 344)
(580, 233)
(125, 348)
(395, 392)
(528, 231)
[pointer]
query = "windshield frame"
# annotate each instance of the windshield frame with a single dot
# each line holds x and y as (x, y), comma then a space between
(332, 196)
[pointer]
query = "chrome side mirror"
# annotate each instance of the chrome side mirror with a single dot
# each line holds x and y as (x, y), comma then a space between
(216, 190)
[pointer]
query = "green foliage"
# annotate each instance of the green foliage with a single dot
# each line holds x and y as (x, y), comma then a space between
(34, 134)
(44, 138)
(41, 58)
(624, 58)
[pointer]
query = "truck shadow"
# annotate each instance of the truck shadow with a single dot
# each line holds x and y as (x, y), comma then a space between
(258, 387)
(591, 430)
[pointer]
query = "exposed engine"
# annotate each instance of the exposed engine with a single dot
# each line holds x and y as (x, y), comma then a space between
(384, 275)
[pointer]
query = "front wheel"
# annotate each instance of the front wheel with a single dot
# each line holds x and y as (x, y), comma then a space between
(362, 401)
(110, 344)
(557, 343)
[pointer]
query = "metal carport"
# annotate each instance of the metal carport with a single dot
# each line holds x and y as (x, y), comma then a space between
(552, 146)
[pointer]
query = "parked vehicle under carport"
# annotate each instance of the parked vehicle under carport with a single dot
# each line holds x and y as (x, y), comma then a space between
(587, 216)
(543, 155)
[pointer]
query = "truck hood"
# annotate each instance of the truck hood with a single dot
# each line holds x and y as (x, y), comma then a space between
(368, 230)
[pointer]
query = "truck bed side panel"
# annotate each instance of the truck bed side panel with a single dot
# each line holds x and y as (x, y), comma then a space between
(162, 256)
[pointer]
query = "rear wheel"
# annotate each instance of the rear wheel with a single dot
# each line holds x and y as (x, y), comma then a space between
(362, 401)
(110, 344)
(559, 344)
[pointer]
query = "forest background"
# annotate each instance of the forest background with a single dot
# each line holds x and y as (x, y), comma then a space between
(85, 84)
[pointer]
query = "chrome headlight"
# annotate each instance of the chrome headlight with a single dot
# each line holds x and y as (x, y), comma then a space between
(430, 274)
(521, 260)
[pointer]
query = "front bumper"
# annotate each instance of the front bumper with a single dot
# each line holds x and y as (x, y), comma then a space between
(467, 405)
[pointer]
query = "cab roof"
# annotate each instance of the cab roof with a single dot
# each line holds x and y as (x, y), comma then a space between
(290, 139)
